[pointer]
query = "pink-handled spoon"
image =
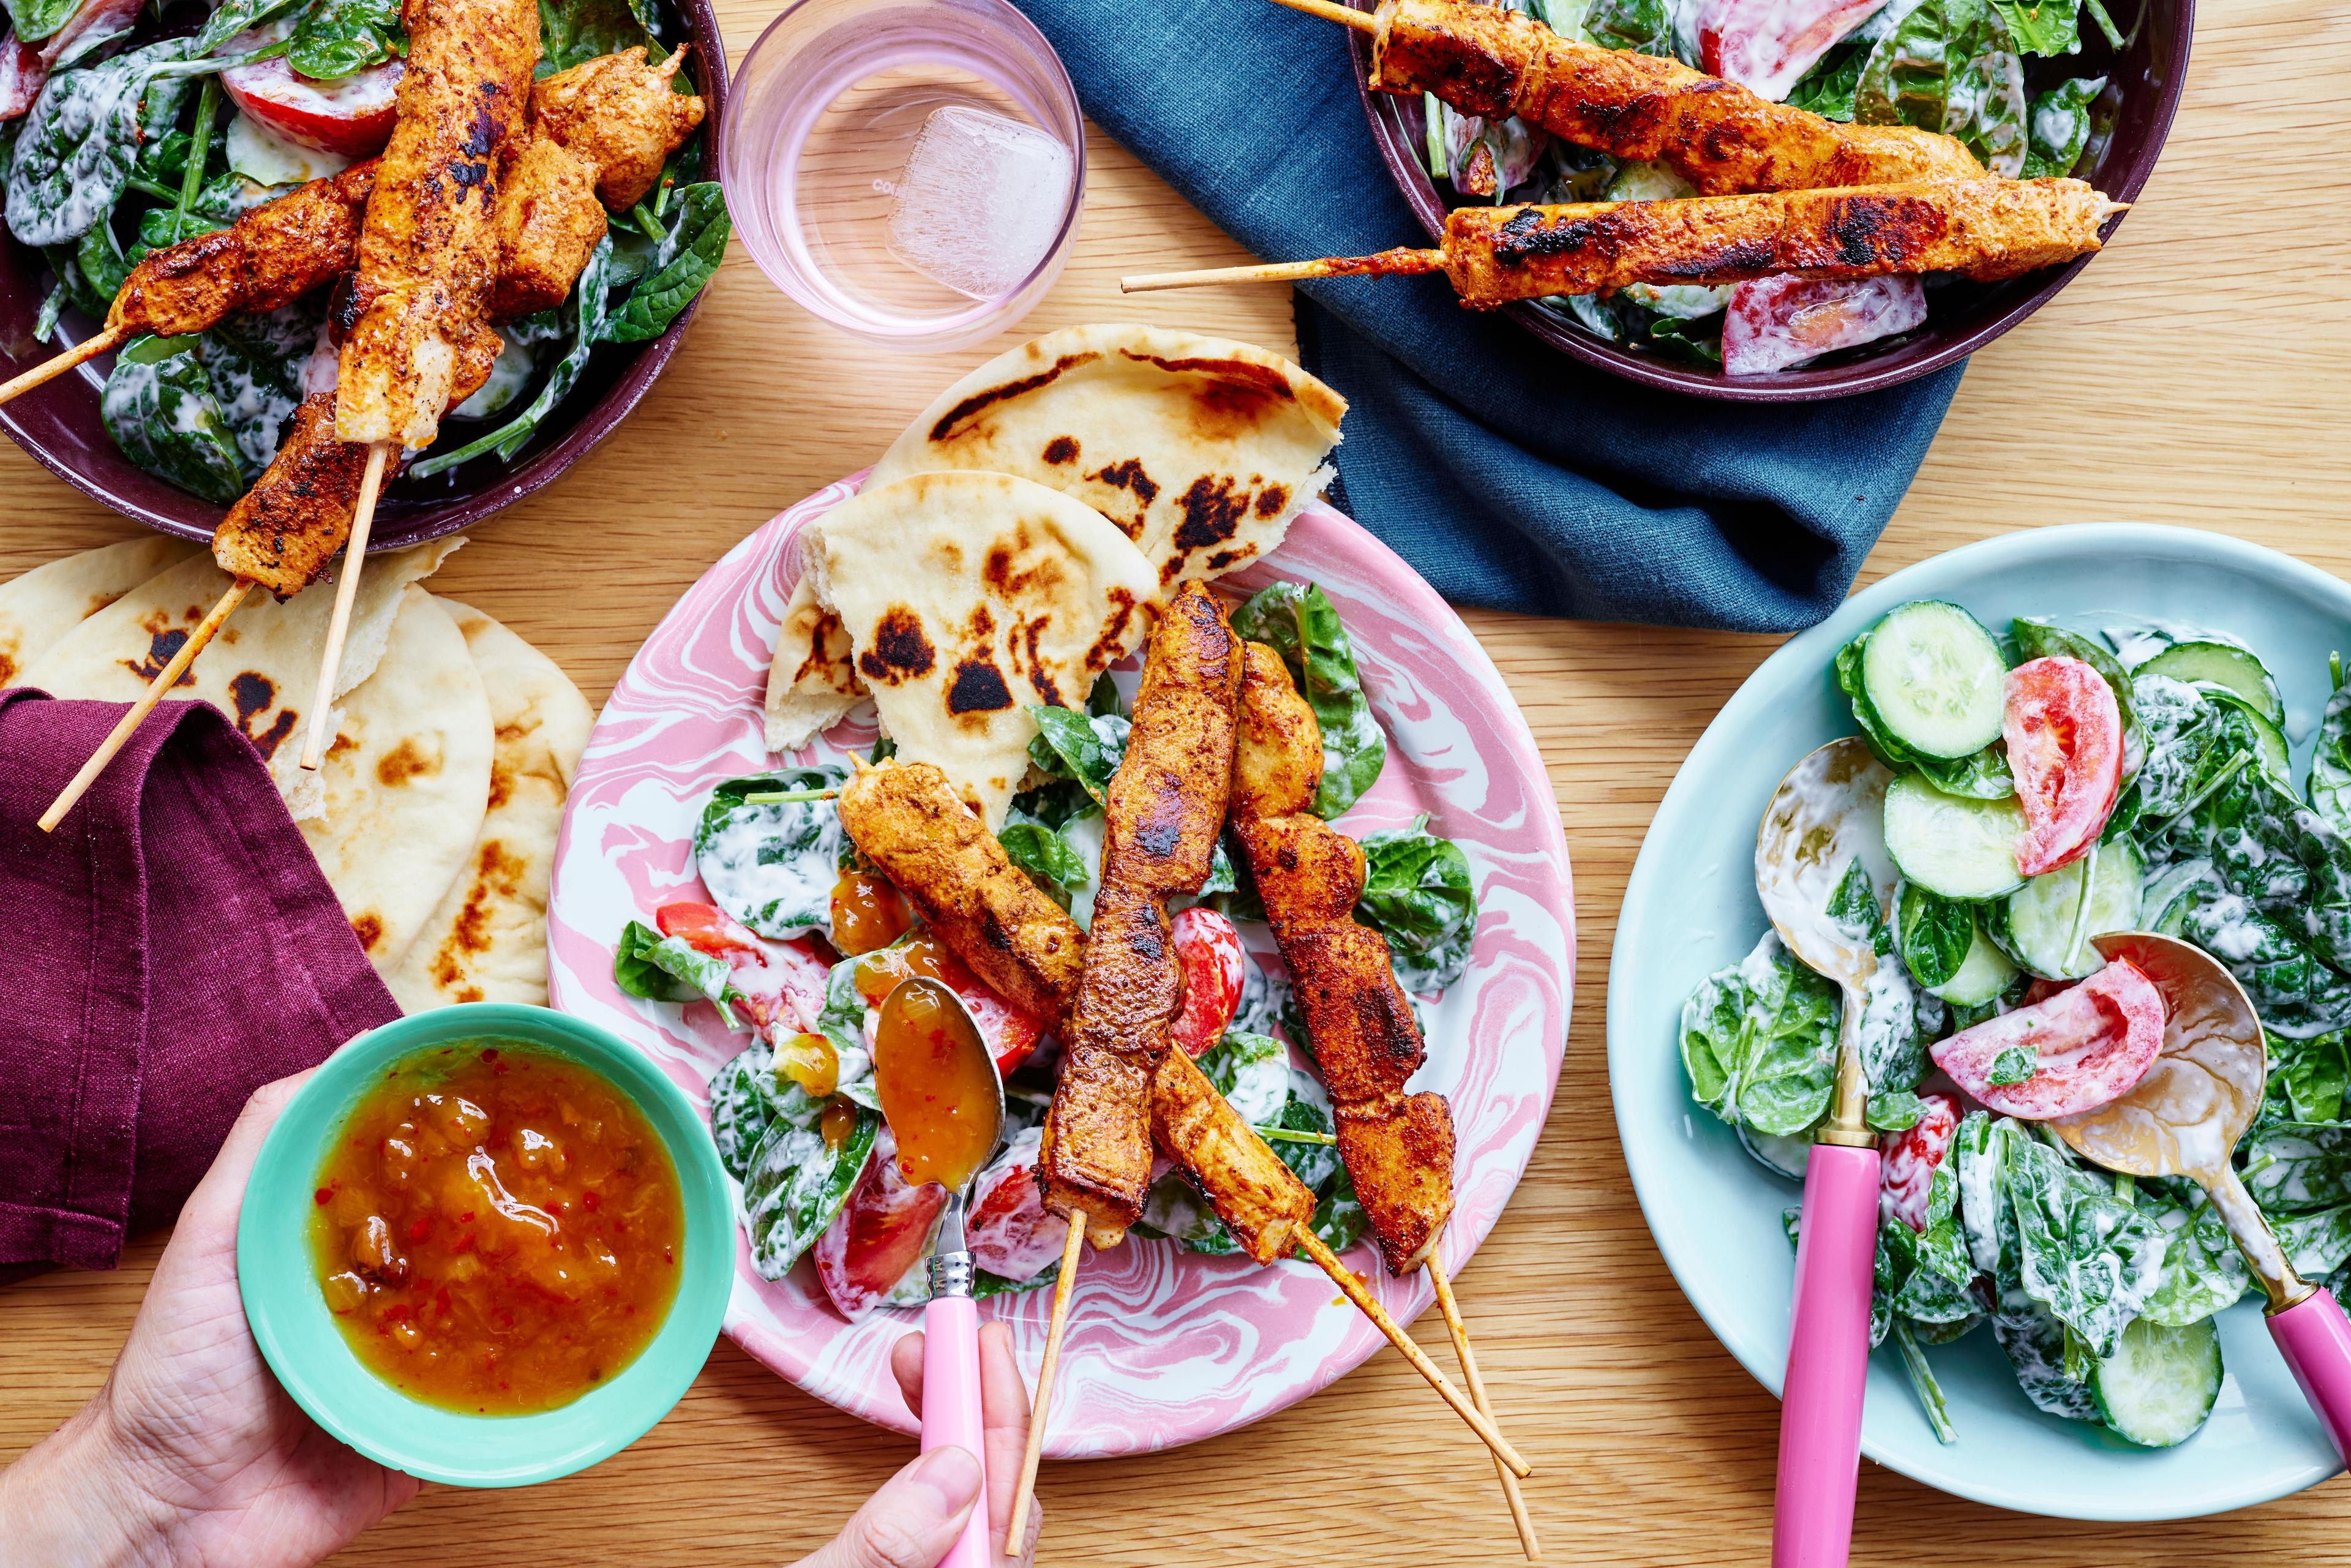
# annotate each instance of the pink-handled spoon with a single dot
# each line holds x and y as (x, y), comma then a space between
(1828, 813)
(2184, 1119)
(945, 1103)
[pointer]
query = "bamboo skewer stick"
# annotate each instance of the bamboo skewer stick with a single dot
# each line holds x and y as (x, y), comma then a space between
(1369, 1305)
(346, 591)
(1016, 1520)
(1461, 1332)
(1330, 11)
(50, 370)
(1386, 264)
(165, 679)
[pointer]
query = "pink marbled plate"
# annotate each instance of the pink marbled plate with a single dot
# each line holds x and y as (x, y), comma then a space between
(1164, 1346)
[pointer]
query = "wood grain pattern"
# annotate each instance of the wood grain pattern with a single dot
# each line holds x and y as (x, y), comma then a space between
(2194, 375)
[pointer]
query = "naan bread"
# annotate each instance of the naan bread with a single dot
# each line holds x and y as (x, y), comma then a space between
(40, 607)
(968, 597)
(1200, 448)
(407, 780)
(812, 681)
(261, 668)
(487, 940)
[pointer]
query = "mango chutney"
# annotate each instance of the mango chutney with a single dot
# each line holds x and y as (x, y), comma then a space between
(496, 1229)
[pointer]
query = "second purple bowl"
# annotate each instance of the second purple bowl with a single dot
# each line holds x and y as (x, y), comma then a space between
(59, 424)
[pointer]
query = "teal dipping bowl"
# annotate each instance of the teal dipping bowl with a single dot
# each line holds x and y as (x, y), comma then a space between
(307, 1350)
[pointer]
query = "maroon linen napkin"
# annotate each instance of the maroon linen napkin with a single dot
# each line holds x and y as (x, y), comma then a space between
(169, 949)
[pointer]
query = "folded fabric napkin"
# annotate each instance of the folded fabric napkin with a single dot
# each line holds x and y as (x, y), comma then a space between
(172, 948)
(1508, 473)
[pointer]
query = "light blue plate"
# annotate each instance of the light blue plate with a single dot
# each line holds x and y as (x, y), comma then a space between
(1691, 909)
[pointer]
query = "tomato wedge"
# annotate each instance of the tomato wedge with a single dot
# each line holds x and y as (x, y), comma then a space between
(1775, 322)
(880, 1234)
(1009, 1234)
(352, 116)
(2084, 1047)
(1210, 949)
(25, 66)
(782, 983)
(2065, 736)
(1908, 1175)
(1766, 46)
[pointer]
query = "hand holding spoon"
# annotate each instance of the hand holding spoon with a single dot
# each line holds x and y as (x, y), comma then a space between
(2184, 1119)
(1829, 812)
(945, 1102)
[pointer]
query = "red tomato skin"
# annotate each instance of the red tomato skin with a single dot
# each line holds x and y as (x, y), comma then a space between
(352, 117)
(783, 983)
(1211, 953)
(1772, 323)
(2064, 737)
(1766, 46)
(25, 66)
(879, 1234)
(2092, 1044)
(705, 928)
(1009, 1234)
(1910, 1159)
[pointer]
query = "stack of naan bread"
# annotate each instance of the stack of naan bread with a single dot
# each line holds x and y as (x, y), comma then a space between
(435, 816)
(1018, 538)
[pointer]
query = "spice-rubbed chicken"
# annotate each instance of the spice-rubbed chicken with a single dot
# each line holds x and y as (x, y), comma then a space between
(620, 113)
(271, 256)
(1165, 807)
(1490, 60)
(909, 820)
(1398, 1147)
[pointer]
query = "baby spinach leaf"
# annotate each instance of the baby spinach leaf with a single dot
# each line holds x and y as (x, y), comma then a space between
(1075, 746)
(772, 864)
(99, 259)
(2283, 857)
(2330, 764)
(1252, 1073)
(1316, 1165)
(75, 153)
(2308, 1077)
(1299, 622)
(1854, 907)
(1417, 894)
(661, 968)
(235, 17)
(1759, 1042)
(2043, 26)
(2061, 125)
(1048, 859)
(1644, 25)
(795, 1184)
(683, 264)
(2294, 1168)
(1933, 932)
(2014, 1065)
(2035, 1342)
(159, 407)
(2297, 994)
(2176, 730)
(1984, 776)
(2203, 1271)
(1943, 1244)
(336, 38)
(1894, 1111)
(1949, 66)
(2084, 1254)
(746, 1098)
(1922, 1383)
(2317, 1243)
(1827, 89)
(573, 32)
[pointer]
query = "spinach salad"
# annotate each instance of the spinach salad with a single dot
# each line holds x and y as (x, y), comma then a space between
(156, 125)
(2100, 1290)
(1995, 74)
(790, 948)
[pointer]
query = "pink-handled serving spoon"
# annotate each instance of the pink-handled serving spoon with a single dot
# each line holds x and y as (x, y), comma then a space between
(945, 1103)
(1827, 814)
(2184, 1119)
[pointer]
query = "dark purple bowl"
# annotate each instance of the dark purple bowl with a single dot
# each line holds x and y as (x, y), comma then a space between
(1963, 316)
(59, 424)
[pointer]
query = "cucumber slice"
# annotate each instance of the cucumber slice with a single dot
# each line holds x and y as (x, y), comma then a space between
(2223, 665)
(2160, 1383)
(1936, 677)
(2035, 926)
(2179, 892)
(1952, 844)
(1778, 1153)
(1985, 974)
(2276, 758)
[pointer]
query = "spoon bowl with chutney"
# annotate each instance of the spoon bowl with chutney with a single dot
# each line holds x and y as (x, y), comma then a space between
(488, 1245)
(944, 1100)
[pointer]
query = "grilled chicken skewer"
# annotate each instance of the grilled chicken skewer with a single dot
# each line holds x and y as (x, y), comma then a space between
(1986, 228)
(1491, 61)
(605, 125)
(909, 820)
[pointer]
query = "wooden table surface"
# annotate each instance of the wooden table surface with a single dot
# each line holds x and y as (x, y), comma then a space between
(2196, 374)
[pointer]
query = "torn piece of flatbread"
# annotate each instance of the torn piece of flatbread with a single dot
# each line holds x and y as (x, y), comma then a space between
(487, 942)
(406, 782)
(812, 681)
(1201, 449)
(262, 667)
(39, 607)
(968, 597)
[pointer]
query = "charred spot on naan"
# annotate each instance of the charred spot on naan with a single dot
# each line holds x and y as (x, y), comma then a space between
(367, 926)
(1214, 509)
(1110, 645)
(1015, 569)
(901, 650)
(403, 762)
(165, 638)
(1126, 477)
(1025, 645)
(254, 693)
(978, 687)
(1062, 449)
(986, 398)
(828, 656)
(498, 874)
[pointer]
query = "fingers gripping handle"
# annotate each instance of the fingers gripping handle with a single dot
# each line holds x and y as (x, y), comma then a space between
(2315, 1340)
(1828, 1361)
(951, 1413)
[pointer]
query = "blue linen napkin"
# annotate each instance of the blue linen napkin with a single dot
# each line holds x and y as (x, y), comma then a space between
(1510, 475)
